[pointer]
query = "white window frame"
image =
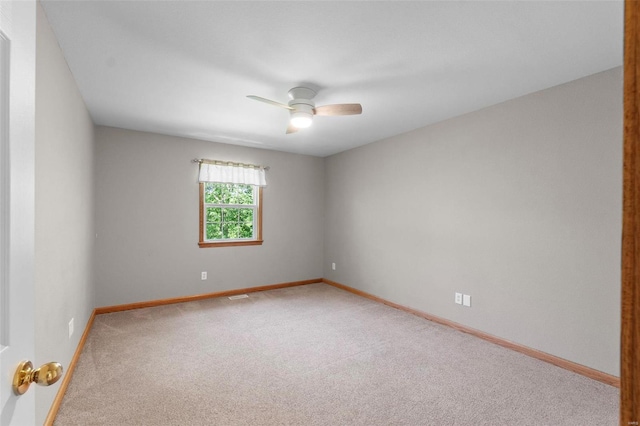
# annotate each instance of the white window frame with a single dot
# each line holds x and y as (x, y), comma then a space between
(257, 220)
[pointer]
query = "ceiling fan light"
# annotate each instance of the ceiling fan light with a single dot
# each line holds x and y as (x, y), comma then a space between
(301, 119)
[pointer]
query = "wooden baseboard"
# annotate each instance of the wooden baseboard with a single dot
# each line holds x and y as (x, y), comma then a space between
(55, 406)
(534, 353)
(182, 299)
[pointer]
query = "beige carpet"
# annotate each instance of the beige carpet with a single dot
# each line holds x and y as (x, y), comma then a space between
(313, 355)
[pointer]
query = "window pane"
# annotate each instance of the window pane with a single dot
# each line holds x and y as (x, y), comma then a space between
(227, 193)
(231, 230)
(237, 230)
(246, 230)
(217, 193)
(246, 215)
(224, 191)
(211, 193)
(242, 194)
(230, 215)
(214, 231)
(214, 214)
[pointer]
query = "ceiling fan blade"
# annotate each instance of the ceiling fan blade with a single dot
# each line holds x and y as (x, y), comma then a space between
(291, 129)
(269, 101)
(339, 109)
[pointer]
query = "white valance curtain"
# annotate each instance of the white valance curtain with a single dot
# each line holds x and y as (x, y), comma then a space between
(221, 172)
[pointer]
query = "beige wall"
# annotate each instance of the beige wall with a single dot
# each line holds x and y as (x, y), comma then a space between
(64, 210)
(518, 205)
(147, 219)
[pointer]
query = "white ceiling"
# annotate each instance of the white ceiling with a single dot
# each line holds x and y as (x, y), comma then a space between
(185, 67)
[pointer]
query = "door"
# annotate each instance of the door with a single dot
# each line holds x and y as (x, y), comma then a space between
(17, 127)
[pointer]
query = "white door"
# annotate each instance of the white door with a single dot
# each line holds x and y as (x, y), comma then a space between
(17, 127)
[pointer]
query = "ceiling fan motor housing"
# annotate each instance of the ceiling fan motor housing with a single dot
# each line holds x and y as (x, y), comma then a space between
(301, 93)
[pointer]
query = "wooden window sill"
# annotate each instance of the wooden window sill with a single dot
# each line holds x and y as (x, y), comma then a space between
(230, 243)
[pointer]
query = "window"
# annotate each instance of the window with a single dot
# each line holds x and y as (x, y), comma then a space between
(230, 214)
(230, 203)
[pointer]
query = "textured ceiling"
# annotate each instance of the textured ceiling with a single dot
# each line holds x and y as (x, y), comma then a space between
(184, 68)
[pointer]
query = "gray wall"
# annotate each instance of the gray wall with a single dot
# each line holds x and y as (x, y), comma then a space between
(147, 219)
(64, 210)
(518, 205)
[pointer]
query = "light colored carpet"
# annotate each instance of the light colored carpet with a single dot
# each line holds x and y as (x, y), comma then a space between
(313, 355)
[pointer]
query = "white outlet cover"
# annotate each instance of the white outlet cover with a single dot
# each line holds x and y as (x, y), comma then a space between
(458, 298)
(203, 275)
(466, 300)
(333, 266)
(71, 328)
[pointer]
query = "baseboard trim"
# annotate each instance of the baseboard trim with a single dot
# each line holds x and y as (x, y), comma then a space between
(182, 299)
(55, 406)
(534, 353)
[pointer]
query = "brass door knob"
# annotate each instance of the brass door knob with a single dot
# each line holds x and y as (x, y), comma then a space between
(46, 375)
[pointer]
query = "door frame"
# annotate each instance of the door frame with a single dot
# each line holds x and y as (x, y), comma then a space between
(630, 310)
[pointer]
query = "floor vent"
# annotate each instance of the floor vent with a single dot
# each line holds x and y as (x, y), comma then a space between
(239, 296)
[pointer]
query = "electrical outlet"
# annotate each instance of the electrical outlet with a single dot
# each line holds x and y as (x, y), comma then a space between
(466, 300)
(333, 266)
(203, 275)
(70, 328)
(458, 298)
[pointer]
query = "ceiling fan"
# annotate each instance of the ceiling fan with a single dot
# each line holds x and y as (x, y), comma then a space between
(302, 108)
